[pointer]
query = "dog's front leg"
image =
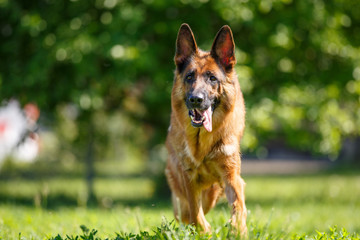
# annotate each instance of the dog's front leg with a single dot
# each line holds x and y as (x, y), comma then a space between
(193, 196)
(234, 190)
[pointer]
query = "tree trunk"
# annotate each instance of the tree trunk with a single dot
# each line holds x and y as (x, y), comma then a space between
(89, 167)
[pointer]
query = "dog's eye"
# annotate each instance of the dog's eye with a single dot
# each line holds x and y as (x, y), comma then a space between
(189, 77)
(213, 78)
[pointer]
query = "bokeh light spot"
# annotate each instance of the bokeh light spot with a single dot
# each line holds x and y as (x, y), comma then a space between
(61, 54)
(106, 18)
(117, 51)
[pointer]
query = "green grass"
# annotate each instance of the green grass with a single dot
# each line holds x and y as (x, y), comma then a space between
(170, 230)
(278, 207)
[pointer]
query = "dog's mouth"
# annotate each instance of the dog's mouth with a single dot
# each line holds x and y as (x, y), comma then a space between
(201, 118)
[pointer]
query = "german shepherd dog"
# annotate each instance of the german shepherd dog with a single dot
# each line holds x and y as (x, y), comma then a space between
(207, 123)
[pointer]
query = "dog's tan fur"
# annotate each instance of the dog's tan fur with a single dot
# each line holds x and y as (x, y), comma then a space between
(201, 164)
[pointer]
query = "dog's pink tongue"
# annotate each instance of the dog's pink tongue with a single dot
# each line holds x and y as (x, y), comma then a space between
(208, 120)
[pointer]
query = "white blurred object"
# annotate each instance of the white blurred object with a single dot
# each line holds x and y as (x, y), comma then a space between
(18, 137)
(27, 151)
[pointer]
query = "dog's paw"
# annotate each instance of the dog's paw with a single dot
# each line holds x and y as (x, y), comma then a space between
(239, 225)
(204, 226)
(207, 227)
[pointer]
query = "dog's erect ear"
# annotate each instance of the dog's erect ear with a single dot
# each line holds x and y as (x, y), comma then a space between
(185, 46)
(223, 48)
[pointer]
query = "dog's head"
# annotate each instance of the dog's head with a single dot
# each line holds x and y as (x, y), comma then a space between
(204, 81)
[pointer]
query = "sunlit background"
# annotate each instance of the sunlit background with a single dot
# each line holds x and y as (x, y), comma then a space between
(100, 72)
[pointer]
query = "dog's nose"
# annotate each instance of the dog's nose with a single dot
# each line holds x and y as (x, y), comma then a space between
(197, 99)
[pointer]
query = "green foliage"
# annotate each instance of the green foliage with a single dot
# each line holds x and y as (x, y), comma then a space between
(333, 234)
(169, 230)
(87, 235)
(298, 64)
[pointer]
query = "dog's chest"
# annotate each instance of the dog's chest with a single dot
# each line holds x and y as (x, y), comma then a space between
(205, 173)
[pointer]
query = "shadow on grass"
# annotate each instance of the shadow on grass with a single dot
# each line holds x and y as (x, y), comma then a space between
(56, 201)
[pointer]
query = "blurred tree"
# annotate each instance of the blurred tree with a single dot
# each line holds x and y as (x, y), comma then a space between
(87, 62)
